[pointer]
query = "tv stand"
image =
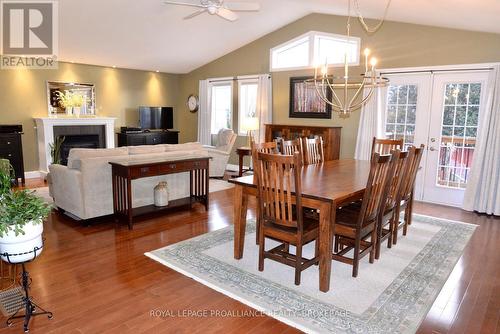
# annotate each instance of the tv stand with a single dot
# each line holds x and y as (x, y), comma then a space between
(148, 138)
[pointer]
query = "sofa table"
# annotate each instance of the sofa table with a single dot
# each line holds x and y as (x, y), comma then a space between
(124, 172)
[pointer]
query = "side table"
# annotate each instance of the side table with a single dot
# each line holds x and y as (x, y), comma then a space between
(242, 152)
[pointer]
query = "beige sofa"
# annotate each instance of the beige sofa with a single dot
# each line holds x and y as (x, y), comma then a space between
(83, 188)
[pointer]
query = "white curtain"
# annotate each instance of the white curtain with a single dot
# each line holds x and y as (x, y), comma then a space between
(371, 123)
(264, 106)
(483, 186)
(204, 114)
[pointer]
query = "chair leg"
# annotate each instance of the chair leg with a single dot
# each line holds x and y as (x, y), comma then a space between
(298, 262)
(261, 250)
(257, 234)
(336, 244)
(316, 250)
(375, 242)
(378, 241)
(355, 262)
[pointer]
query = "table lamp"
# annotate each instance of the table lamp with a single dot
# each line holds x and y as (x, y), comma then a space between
(250, 124)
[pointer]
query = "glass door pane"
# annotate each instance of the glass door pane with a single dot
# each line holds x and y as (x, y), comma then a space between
(401, 112)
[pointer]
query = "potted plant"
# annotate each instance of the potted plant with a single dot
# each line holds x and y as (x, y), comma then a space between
(21, 224)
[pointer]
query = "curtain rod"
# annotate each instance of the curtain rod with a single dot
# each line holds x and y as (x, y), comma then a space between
(245, 77)
(437, 71)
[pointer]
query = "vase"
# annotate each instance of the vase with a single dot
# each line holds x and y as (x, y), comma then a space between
(69, 111)
(22, 245)
(161, 194)
(76, 111)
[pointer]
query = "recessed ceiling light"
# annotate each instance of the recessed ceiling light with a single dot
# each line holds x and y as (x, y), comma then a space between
(114, 66)
(157, 71)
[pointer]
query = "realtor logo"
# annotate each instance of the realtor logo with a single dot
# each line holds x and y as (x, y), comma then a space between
(29, 34)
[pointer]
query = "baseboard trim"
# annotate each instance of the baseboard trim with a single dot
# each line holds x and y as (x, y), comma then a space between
(35, 174)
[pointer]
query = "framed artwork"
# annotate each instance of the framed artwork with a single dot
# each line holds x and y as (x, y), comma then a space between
(305, 102)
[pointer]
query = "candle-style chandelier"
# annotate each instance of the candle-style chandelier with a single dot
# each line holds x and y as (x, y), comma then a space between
(327, 84)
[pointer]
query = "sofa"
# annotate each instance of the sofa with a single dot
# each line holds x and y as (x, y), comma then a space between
(83, 188)
(221, 152)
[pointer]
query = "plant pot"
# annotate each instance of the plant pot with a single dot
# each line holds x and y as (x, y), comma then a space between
(22, 243)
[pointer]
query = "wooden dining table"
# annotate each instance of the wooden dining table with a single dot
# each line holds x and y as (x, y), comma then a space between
(325, 187)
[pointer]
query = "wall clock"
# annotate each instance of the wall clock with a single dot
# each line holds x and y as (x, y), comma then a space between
(193, 103)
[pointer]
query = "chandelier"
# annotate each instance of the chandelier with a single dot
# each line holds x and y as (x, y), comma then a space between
(327, 84)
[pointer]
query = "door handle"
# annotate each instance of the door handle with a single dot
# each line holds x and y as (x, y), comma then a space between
(432, 149)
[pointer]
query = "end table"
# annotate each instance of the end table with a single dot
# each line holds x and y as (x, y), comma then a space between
(242, 152)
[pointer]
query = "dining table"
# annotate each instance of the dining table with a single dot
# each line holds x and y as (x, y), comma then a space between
(325, 187)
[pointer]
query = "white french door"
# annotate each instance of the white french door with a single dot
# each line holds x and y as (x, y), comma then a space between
(457, 102)
(441, 111)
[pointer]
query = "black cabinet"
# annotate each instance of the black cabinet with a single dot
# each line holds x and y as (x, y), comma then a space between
(148, 138)
(11, 148)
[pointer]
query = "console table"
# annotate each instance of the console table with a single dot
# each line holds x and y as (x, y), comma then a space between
(124, 172)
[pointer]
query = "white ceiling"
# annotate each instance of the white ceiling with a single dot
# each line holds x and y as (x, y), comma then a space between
(148, 35)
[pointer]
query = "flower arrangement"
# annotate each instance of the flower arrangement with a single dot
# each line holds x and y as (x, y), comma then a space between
(70, 99)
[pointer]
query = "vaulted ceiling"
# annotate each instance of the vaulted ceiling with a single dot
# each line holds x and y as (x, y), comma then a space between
(148, 35)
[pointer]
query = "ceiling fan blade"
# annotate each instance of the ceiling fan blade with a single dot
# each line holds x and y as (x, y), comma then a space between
(183, 4)
(242, 6)
(198, 12)
(227, 14)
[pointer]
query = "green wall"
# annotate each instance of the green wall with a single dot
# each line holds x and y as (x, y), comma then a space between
(118, 94)
(395, 45)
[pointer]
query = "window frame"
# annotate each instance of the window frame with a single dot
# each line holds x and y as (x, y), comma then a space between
(242, 82)
(313, 49)
(221, 82)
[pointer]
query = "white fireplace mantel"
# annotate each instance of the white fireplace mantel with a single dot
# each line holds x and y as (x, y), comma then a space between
(45, 134)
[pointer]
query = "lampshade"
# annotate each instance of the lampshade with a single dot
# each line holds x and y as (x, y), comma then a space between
(250, 124)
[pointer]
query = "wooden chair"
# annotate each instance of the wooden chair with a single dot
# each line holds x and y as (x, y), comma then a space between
(268, 147)
(390, 215)
(385, 146)
(313, 150)
(281, 212)
(355, 224)
(406, 203)
(289, 147)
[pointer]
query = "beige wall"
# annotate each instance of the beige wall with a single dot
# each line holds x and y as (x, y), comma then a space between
(118, 94)
(395, 45)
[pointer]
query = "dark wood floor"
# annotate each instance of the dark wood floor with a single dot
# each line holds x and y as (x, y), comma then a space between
(97, 280)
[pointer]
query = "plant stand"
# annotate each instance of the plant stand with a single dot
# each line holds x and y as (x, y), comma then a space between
(31, 309)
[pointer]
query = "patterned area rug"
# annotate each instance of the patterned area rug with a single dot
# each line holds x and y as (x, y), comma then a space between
(393, 295)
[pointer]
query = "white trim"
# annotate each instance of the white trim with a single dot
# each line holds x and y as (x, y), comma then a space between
(458, 67)
(34, 174)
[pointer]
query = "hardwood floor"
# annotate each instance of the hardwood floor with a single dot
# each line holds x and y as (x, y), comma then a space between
(97, 280)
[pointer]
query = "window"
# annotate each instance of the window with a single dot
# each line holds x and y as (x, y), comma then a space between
(401, 113)
(222, 106)
(315, 48)
(247, 102)
(458, 133)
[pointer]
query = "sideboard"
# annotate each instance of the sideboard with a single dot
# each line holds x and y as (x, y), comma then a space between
(330, 135)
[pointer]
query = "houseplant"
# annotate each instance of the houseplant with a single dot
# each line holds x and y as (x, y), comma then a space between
(21, 224)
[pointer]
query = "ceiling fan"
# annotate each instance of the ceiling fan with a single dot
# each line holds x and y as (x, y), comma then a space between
(221, 8)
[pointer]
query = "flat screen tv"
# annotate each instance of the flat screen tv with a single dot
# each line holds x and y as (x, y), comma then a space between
(156, 118)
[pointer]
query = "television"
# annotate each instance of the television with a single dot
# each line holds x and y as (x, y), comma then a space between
(156, 118)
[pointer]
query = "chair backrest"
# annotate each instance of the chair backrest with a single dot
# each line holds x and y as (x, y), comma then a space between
(277, 177)
(398, 180)
(268, 147)
(289, 147)
(377, 187)
(411, 175)
(225, 140)
(385, 146)
(313, 150)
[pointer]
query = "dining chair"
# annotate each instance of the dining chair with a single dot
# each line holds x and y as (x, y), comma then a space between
(289, 147)
(354, 224)
(313, 150)
(385, 146)
(268, 147)
(406, 202)
(390, 214)
(281, 213)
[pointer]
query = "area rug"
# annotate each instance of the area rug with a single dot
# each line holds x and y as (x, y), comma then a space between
(393, 295)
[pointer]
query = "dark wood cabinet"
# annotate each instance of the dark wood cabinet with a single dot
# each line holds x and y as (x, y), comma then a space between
(148, 138)
(11, 148)
(330, 135)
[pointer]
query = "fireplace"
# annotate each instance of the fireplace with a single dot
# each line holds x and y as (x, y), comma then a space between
(77, 141)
